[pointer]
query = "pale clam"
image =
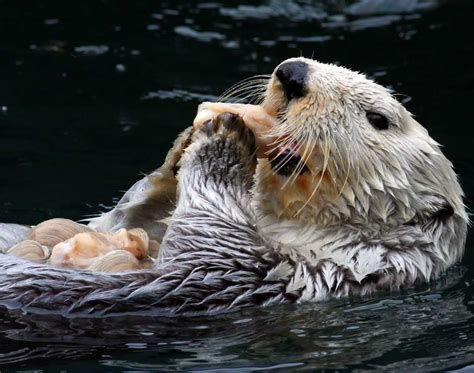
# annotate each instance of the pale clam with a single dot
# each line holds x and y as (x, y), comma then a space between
(51, 232)
(30, 250)
(69, 244)
(115, 261)
(135, 240)
(80, 250)
(84, 248)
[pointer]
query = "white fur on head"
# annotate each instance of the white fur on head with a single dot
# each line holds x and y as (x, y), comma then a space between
(359, 176)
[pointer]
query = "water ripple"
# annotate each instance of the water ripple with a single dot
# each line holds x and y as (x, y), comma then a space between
(203, 36)
(92, 50)
(276, 9)
(178, 95)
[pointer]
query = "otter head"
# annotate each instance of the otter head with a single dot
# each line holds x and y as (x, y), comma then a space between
(345, 151)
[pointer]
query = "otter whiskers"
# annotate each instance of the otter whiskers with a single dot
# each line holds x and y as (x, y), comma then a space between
(251, 89)
(325, 153)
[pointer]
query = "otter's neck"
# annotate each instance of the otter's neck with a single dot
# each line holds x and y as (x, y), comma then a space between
(323, 202)
(309, 230)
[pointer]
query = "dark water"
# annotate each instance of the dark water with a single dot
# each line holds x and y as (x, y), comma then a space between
(92, 95)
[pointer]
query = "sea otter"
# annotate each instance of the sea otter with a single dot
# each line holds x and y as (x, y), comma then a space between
(348, 195)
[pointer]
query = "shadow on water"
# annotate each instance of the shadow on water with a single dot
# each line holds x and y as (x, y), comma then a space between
(94, 93)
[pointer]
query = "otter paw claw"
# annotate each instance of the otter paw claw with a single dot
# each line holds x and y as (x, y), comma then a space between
(229, 126)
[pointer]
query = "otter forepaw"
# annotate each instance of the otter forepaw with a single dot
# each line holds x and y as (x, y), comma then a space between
(223, 147)
(231, 128)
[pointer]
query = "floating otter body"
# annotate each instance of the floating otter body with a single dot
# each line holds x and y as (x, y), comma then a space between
(349, 195)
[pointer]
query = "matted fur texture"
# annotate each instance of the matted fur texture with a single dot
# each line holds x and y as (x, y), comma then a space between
(383, 207)
(375, 210)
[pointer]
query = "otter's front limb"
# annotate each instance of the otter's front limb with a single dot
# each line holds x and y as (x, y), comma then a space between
(213, 191)
(150, 200)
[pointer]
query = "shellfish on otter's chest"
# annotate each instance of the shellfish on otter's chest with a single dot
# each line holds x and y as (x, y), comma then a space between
(65, 243)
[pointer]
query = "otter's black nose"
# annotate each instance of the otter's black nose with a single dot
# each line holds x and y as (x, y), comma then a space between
(292, 76)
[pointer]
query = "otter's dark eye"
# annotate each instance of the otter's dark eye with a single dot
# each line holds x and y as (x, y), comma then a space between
(377, 120)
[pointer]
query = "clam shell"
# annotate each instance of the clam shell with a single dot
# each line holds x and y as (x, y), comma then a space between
(141, 237)
(135, 241)
(51, 232)
(81, 250)
(30, 250)
(115, 261)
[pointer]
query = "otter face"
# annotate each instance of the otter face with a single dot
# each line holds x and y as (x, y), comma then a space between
(346, 151)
